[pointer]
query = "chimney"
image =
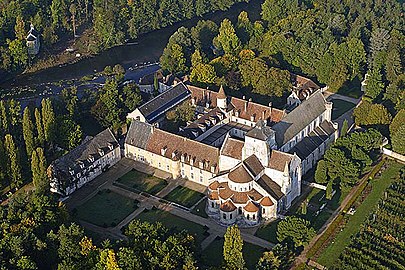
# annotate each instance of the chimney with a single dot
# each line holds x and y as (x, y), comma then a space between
(246, 104)
(263, 114)
(270, 104)
(244, 97)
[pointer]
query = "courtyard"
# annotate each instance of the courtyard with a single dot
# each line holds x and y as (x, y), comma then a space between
(106, 209)
(142, 182)
(184, 196)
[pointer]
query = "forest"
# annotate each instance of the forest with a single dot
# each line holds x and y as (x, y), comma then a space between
(110, 22)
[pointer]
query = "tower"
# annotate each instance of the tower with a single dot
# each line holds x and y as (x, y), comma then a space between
(221, 99)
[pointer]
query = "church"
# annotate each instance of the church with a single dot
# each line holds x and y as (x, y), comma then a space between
(251, 157)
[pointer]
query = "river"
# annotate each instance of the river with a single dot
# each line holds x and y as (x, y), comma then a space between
(147, 48)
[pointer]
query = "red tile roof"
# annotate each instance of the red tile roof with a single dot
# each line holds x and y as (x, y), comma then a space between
(225, 193)
(232, 148)
(266, 201)
(278, 160)
(251, 207)
(240, 175)
(228, 206)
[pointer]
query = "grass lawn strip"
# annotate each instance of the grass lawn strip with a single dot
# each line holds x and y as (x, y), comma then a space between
(106, 209)
(268, 232)
(199, 209)
(213, 254)
(184, 196)
(342, 240)
(340, 107)
(173, 222)
(142, 182)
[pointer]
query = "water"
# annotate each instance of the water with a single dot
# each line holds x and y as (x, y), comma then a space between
(147, 48)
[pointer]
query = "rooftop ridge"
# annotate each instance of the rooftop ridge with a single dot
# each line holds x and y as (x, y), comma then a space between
(152, 99)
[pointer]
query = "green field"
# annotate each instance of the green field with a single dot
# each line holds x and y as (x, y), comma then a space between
(268, 232)
(184, 196)
(213, 254)
(340, 107)
(142, 182)
(342, 240)
(199, 209)
(173, 222)
(106, 209)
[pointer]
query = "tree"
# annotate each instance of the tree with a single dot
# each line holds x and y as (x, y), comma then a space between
(345, 127)
(203, 73)
(196, 59)
(14, 161)
(73, 10)
(38, 168)
(233, 244)
(356, 56)
(202, 34)
(374, 84)
(48, 119)
(68, 135)
(28, 131)
(4, 117)
(18, 53)
(69, 96)
(132, 96)
(329, 190)
(397, 122)
(304, 207)
(19, 28)
(296, 229)
(40, 127)
(371, 114)
(268, 262)
(227, 40)
(107, 260)
(397, 140)
(173, 59)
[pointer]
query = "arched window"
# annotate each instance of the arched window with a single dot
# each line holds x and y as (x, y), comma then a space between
(230, 216)
(212, 204)
(254, 216)
(224, 216)
(248, 216)
(264, 210)
(240, 210)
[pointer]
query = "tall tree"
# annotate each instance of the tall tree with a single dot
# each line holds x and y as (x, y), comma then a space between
(40, 127)
(227, 40)
(4, 119)
(48, 119)
(14, 161)
(296, 229)
(28, 131)
(375, 85)
(38, 168)
(232, 252)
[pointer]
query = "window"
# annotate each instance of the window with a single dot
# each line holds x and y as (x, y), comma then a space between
(182, 173)
(201, 178)
(230, 216)
(192, 176)
(254, 216)
(168, 167)
(160, 164)
(182, 165)
(191, 168)
(224, 216)
(212, 204)
(263, 210)
(248, 216)
(240, 210)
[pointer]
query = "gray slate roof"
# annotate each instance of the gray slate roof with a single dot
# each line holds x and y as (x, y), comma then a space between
(271, 187)
(155, 107)
(138, 134)
(90, 146)
(299, 118)
(308, 144)
(253, 164)
(260, 131)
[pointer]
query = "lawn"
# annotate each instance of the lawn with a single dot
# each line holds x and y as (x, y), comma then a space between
(106, 209)
(351, 89)
(173, 222)
(184, 196)
(142, 182)
(213, 254)
(340, 107)
(199, 209)
(268, 232)
(342, 240)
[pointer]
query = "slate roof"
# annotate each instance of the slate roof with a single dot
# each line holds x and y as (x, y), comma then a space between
(314, 139)
(254, 165)
(157, 106)
(260, 131)
(299, 118)
(271, 187)
(138, 134)
(89, 147)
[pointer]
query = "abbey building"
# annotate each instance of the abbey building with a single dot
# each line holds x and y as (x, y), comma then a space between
(250, 156)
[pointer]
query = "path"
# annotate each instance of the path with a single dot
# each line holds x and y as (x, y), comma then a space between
(302, 258)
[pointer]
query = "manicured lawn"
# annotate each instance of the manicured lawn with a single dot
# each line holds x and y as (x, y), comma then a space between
(213, 254)
(173, 222)
(142, 182)
(106, 209)
(340, 107)
(199, 209)
(268, 232)
(379, 185)
(184, 196)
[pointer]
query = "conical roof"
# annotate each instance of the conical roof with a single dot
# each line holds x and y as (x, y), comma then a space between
(221, 93)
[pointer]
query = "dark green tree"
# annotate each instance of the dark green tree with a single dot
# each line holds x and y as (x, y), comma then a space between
(233, 243)
(296, 229)
(14, 165)
(28, 131)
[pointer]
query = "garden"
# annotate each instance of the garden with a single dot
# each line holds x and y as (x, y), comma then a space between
(199, 209)
(213, 254)
(106, 209)
(138, 181)
(372, 235)
(184, 196)
(174, 222)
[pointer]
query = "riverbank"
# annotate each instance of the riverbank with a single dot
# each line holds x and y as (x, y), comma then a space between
(147, 48)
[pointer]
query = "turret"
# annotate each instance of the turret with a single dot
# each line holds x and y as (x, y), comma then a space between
(221, 99)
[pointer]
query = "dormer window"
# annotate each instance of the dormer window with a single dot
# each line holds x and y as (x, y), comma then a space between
(90, 158)
(110, 146)
(183, 158)
(101, 152)
(71, 171)
(163, 151)
(81, 164)
(201, 164)
(212, 168)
